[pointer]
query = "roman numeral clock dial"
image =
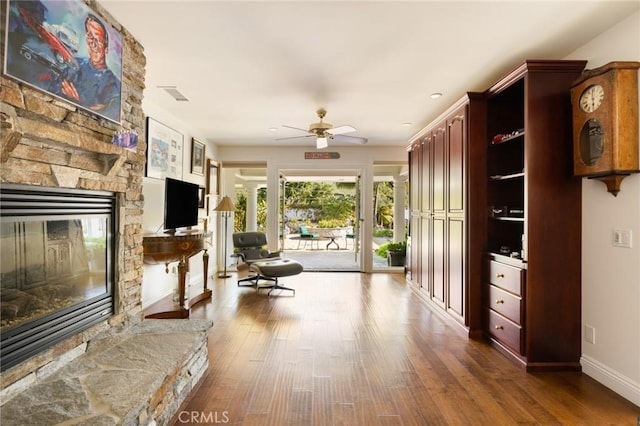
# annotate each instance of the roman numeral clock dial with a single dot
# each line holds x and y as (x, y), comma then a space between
(592, 98)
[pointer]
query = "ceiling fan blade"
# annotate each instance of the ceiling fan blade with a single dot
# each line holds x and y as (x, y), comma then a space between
(295, 128)
(349, 139)
(341, 129)
(295, 137)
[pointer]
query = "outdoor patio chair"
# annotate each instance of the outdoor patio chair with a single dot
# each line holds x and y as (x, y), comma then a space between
(307, 237)
(304, 232)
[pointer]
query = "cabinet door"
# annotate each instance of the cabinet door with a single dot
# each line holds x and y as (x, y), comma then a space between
(456, 270)
(415, 261)
(456, 164)
(439, 254)
(426, 173)
(425, 255)
(438, 166)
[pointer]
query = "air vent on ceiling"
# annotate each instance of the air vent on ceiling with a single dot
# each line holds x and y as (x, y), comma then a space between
(174, 92)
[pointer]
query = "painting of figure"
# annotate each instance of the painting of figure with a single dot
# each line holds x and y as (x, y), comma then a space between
(64, 48)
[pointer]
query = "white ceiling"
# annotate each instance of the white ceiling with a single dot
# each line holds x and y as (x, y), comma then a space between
(248, 67)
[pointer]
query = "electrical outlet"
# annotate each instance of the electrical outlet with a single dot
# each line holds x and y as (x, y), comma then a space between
(590, 334)
(622, 238)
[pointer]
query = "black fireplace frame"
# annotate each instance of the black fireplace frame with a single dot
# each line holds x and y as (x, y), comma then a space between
(26, 340)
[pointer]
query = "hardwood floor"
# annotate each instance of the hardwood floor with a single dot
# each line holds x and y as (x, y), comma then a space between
(362, 349)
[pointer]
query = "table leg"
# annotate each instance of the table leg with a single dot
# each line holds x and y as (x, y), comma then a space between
(333, 241)
(182, 279)
(206, 292)
(205, 262)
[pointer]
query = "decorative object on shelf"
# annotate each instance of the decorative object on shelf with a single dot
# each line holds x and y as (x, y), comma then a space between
(197, 156)
(605, 123)
(127, 139)
(225, 207)
(164, 151)
(500, 137)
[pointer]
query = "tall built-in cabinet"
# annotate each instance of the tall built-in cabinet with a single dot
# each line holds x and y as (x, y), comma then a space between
(533, 280)
(496, 216)
(447, 219)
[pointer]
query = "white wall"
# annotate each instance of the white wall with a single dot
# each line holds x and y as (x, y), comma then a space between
(611, 275)
(156, 283)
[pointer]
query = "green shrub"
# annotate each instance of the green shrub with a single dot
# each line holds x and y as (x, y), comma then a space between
(387, 233)
(331, 223)
(385, 248)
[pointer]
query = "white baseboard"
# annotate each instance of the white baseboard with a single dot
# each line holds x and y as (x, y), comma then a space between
(612, 379)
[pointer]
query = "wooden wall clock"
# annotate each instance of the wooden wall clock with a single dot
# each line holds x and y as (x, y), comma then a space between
(605, 123)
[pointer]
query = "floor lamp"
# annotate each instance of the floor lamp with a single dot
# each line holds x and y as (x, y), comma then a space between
(225, 207)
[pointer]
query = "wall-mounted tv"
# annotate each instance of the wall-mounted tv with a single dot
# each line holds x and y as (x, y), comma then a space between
(180, 204)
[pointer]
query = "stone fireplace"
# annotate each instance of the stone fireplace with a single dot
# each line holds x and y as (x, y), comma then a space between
(51, 146)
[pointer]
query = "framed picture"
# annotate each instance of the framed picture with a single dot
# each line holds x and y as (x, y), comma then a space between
(51, 46)
(164, 151)
(201, 197)
(197, 157)
(213, 177)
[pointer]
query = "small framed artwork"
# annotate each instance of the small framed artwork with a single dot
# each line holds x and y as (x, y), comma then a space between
(197, 157)
(164, 151)
(213, 177)
(201, 197)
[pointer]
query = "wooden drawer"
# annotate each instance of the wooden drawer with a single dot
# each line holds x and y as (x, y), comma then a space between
(505, 331)
(506, 304)
(506, 277)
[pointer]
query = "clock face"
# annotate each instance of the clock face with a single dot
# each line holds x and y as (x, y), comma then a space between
(591, 98)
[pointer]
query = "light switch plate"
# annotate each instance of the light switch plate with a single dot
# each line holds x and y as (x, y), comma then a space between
(622, 238)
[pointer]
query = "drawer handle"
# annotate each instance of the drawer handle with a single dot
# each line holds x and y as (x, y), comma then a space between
(499, 275)
(499, 327)
(499, 301)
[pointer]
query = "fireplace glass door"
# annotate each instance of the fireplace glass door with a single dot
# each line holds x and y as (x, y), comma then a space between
(57, 248)
(50, 265)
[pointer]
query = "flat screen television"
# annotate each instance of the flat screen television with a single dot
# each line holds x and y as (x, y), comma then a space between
(180, 204)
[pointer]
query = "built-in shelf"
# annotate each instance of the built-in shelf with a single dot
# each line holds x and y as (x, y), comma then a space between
(506, 177)
(512, 261)
(508, 219)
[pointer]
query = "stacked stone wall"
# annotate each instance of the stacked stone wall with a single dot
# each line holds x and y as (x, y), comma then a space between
(45, 141)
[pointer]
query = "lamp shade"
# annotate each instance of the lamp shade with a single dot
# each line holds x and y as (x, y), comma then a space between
(225, 205)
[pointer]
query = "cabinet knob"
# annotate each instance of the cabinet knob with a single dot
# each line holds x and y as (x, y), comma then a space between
(499, 301)
(499, 327)
(499, 275)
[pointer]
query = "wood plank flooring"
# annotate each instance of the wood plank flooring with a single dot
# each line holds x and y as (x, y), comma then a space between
(362, 349)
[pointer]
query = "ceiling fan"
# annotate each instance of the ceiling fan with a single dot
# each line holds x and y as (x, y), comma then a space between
(323, 132)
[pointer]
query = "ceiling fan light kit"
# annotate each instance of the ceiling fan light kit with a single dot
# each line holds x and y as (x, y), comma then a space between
(323, 132)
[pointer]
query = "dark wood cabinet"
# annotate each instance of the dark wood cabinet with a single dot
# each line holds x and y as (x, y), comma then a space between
(532, 266)
(496, 215)
(447, 231)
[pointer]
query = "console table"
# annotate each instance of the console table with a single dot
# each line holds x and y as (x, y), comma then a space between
(178, 247)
